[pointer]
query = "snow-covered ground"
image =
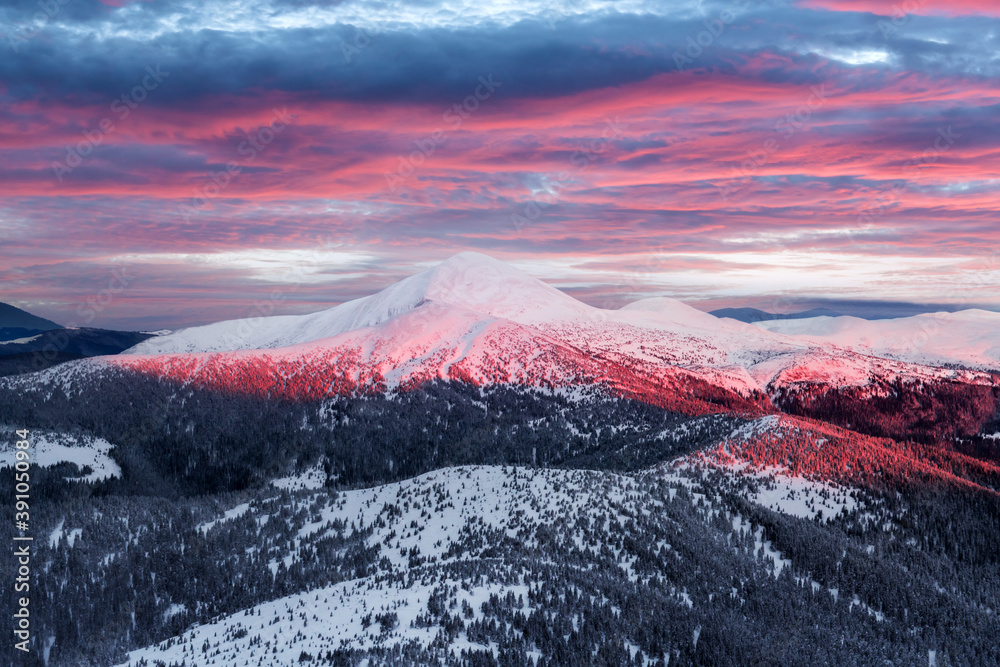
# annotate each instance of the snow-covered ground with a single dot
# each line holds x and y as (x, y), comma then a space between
(20, 341)
(231, 514)
(426, 518)
(779, 490)
(314, 478)
(59, 533)
(321, 620)
(428, 513)
(422, 516)
(49, 449)
(774, 487)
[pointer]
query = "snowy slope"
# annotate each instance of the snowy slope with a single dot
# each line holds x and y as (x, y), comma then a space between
(421, 525)
(471, 282)
(428, 515)
(775, 487)
(969, 338)
(433, 341)
(50, 448)
(428, 528)
(319, 621)
(840, 367)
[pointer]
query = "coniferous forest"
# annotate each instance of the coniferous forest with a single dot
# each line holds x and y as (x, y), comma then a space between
(583, 529)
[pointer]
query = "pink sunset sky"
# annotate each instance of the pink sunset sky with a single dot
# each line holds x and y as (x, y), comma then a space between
(201, 158)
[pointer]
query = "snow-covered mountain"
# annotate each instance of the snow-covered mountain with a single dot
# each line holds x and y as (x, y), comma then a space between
(475, 319)
(471, 286)
(967, 338)
(467, 283)
(471, 292)
(458, 545)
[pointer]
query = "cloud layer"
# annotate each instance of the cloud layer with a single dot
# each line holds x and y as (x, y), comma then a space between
(224, 152)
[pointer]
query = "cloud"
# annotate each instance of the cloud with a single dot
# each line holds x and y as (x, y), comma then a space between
(739, 144)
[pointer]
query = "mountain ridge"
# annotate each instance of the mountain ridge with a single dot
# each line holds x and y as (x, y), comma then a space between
(751, 315)
(16, 323)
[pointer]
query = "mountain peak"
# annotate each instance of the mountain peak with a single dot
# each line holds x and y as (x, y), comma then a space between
(487, 285)
(471, 258)
(471, 270)
(468, 280)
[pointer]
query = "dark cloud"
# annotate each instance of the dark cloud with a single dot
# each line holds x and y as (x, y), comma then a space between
(531, 59)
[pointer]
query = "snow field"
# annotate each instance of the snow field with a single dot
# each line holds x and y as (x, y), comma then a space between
(49, 449)
(416, 523)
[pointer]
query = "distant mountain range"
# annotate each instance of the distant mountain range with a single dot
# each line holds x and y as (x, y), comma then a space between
(17, 323)
(755, 315)
(31, 343)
